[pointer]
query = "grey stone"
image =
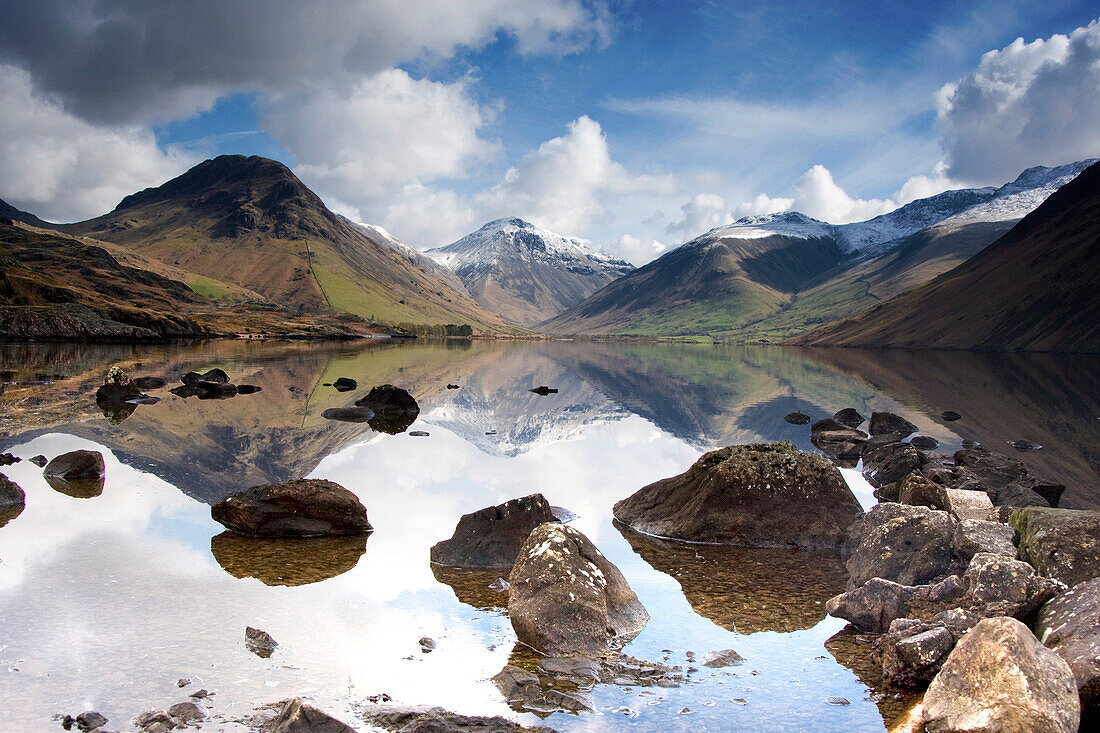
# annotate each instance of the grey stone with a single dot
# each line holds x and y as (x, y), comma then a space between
(300, 717)
(1060, 543)
(911, 546)
(491, 537)
(1070, 625)
(973, 536)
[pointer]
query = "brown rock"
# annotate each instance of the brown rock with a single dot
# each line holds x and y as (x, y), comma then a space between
(302, 508)
(491, 537)
(1070, 625)
(299, 717)
(888, 422)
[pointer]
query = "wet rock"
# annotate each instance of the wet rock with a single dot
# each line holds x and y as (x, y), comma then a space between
(566, 599)
(580, 670)
(950, 416)
(1070, 626)
(850, 417)
(974, 535)
(349, 414)
(90, 719)
(923, 442)
(345, 384)
(301, 508)
(419, 433)
(764, 495)
(492, 537)
(916, 490)
(965, 504)
(438, 720)
(259, 642)
(891, 462)
(1025, 445)
(517, 684)
(913, 652)
(10, 493)
(394, 408)
(247, 389)
(191, 378)
(1000, 678)
(216, 376)
(39, 461)
(77, 464)
(910, 545)
(186, 712)
(452, 386)
(300, 717)
(888, 422)
(724, 658)
(1007, 480)
(526, 691)
(150, 383)
(427, 644)
(1060, 543)
(797, 418)
(544, 390)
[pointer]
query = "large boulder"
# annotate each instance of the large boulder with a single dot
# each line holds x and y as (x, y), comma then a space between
(764, 495)
(77, 464)
(890, 463)
(883, 423)
(1060, 543)
(394, 408)
(910, 545)
(913, 651)
(1001, 586)
(873, 606)
(1070, 625)
(302, 508)
(1000, 678)
(491, 537)
(566, 599)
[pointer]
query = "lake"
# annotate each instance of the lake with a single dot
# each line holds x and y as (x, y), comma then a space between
(108, 598)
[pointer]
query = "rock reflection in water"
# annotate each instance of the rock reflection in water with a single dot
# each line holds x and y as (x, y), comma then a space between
(11, 512)
(746, 590)
(853, 650)
(287, 561)
(80, 488)
(471, 586)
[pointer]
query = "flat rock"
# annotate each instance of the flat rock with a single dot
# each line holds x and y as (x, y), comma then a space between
(888, 422)
(567, 599)
(1070, 626)
(764, 495)
(300, 717)
(1059, 543)
(492, 537)
(301, 508)
(974, 535)
(77, 464)
(1000, 678)
(966, 504)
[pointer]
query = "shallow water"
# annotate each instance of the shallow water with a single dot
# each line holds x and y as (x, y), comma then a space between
(106, 601)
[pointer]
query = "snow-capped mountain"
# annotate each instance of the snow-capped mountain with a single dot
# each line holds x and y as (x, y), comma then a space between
(1010, 202)
(526, 273)
(416, 257)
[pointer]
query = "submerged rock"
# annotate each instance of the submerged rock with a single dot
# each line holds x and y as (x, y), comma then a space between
(567, 599)
(724, 658)
(1070, 626)
(349, 414)
(1060, 543)
(302, 508)
(797, 418)
(394, 408)
(950, 416)
(287, 561)
(1000, 678)
(247, 389)
(764, 495)
(300, 717)
(888, 422)
(345, 384)
(492, 537)
(544, 390)
(850, 417)
(150, 383)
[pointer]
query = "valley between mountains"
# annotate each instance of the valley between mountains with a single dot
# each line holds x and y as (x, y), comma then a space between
(240, 246)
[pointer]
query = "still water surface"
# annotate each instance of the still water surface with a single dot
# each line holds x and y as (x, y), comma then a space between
(106, 601)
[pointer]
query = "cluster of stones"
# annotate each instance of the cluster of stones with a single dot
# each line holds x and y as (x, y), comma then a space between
(214, 384)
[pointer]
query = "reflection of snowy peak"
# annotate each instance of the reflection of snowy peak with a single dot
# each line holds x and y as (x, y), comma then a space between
(1010, 202)
(526, 273)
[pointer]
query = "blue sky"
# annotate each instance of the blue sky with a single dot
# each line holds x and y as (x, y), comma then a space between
(635, 125)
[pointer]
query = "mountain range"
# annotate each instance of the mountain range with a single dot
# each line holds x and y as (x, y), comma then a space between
(236, 239)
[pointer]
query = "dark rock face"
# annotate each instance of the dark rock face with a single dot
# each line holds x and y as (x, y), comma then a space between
(349, 414)
(836, 439)
(525, 691)
(302, 508)
(850, 417)
(566, 599)
(765, 495)
(77, 464)
(1007, 480)
(259, 642)
(491, 537)
(1070, 626)
(345, 384)
(917, 490)
(1060, 543)
(797, 418)
(923, 442)
(910, 545)
(1000, 678)
(888, 422)
(950, 416)
(11, 495)
(394, 408)
(544, 390)
(890, 463)
(299, 717)
(913, 651)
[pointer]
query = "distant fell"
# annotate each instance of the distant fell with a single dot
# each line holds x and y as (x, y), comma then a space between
(1034, 289)
(10, 212)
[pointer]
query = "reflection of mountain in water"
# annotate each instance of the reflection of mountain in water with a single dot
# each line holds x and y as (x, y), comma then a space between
(497, 399)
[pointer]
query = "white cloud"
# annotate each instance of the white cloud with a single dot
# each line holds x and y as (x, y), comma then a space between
(637, 250)
(919, 187)
(427, 216)
(380, 133)
(567, 183)
(64, 169)
(1026, 104)
(702, 213)
(136, 60)
(817, 195)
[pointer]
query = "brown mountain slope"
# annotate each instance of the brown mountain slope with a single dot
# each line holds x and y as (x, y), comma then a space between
(250, 222)
(1034, 289)
(9, 211)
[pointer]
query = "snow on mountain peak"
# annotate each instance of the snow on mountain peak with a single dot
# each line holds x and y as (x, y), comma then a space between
(787, 224)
